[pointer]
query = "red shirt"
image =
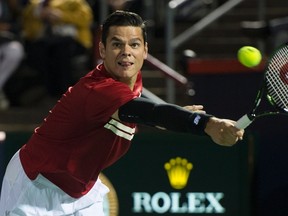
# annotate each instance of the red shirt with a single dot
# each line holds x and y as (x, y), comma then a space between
(78, 139)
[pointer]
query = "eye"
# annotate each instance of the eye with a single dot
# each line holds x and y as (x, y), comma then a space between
(116, 44)
(135, 45)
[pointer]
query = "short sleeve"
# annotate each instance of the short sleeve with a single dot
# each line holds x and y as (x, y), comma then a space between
(105, 98)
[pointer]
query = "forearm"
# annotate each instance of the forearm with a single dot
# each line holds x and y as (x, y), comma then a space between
(168, 116)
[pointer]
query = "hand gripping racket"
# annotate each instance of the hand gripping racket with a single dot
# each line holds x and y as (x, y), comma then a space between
(274, 89)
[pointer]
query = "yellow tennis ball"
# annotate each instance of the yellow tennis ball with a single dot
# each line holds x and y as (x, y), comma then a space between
(249, 56)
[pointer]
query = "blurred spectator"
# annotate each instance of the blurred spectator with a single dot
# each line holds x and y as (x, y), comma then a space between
(54, 32)
(118, 4)
(11, 50)
(112, 5)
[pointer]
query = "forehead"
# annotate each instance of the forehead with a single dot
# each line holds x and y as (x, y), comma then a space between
(125, 33)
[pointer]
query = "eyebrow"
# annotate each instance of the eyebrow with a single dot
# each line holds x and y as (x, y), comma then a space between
(115, 38)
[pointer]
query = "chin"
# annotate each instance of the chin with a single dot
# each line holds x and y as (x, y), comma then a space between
(127, 72)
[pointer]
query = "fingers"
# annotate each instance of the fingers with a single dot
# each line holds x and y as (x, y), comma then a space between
(233, 134)
(236, 131)
(195, 108)
(223, 131)
(226, 139)
(240, 134)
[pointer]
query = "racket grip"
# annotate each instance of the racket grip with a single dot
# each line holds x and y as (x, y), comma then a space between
(243, 122)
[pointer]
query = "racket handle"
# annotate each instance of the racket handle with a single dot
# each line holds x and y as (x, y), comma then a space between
(243, 122)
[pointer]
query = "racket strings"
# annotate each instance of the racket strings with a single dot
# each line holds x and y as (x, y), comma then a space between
(278, 92)
(277, 78)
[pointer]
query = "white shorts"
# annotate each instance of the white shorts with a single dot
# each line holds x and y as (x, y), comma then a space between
(21, 196)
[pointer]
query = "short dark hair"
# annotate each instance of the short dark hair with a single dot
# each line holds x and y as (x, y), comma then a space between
(123, 18)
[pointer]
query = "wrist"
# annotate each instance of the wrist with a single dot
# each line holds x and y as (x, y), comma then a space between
(210, 125)
(199, 122)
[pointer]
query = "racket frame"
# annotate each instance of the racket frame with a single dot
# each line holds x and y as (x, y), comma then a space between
(248, 118)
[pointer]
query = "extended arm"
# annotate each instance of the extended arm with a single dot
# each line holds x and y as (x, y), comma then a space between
(168, 116)
(175, 118)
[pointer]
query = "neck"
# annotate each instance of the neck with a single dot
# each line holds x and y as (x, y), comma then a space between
(129, 81)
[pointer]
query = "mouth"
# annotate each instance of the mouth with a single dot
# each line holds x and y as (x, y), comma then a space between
(125, 64)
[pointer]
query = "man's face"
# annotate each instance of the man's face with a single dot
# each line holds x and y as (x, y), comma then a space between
(124, 52)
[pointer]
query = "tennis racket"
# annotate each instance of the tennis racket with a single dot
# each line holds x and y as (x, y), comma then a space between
(274, 89)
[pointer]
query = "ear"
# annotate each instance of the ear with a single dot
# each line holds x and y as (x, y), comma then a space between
(145, 51)
(102, 50)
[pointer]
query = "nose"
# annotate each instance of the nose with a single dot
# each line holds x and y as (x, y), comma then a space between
(126, 50)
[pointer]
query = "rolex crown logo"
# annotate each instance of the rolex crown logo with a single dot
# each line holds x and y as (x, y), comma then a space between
(178, 170)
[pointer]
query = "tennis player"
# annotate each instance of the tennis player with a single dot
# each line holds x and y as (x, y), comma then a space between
(91, 127)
